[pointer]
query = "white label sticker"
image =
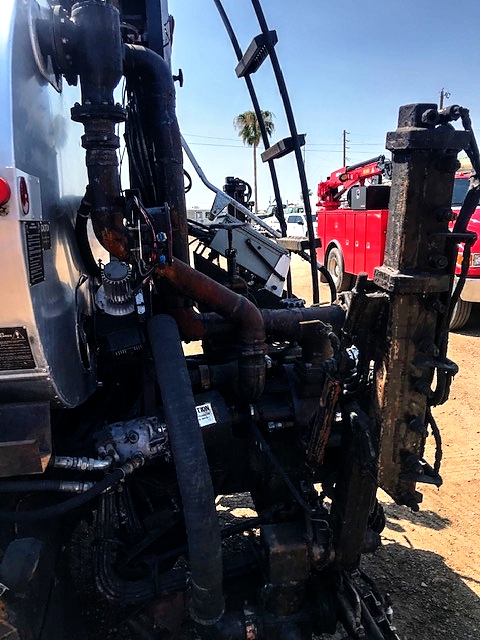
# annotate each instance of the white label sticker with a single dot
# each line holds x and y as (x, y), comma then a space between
(205, 414)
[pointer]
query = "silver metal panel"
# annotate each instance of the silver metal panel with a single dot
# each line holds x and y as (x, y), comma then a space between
(255, 252)
(6, 36)
(41, 272)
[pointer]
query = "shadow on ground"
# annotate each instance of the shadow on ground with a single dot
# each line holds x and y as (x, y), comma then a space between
(429, 599)
(427, 519)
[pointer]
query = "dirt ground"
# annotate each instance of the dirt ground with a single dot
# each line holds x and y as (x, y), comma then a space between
(429, 561)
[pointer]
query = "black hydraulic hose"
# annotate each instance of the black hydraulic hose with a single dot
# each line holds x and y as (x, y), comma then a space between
(362, 164)
(64, 507)
(331, 284)
(193, 473)
(117, 588)
(150, 76)
(468, 209)
(231, 530)
(20, 486)
(472, 149)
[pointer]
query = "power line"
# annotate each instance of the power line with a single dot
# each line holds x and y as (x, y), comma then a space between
(210, 144)
(194, 135)
(324, 150)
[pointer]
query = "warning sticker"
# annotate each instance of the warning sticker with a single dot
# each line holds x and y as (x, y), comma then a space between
(205, 414)
(36, 240)
(15, 351)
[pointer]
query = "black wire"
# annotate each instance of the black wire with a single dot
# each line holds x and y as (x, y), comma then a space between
(472, 149)
(64, 507)
(189, 181)
(141, 154)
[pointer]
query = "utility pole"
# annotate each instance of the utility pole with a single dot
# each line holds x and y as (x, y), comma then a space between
(444, 95)
(345, 133)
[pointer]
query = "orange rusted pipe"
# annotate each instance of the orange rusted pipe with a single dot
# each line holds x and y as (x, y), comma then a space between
(231, 306)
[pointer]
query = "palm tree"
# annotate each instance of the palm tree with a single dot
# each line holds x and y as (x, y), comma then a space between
(248, 129)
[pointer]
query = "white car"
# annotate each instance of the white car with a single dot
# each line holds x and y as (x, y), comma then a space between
(296, 225)
(295, 219)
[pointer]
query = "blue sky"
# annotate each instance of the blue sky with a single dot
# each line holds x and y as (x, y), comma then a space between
(347, 65)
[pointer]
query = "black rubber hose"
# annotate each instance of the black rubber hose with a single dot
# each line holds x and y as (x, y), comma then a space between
(13, 486)
(193, 474)
(64, 507)
(148, 74)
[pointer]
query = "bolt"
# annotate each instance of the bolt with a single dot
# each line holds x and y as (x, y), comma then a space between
(422, 386)
(430, 117)
(437, 261)
(409, 500)
(448, 163)
(437, 306)
(430, 348)
(445, 215)
(132, 437)
(418, 425)
(412, 463)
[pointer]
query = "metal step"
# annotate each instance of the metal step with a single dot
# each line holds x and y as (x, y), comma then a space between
(256, 53)
(281, 148)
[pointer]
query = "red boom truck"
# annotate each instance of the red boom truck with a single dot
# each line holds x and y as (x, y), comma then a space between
(352, 223)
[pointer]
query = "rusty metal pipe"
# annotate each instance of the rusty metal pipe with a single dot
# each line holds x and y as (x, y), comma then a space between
(231, 306)
(285, 323)
(97, 59)
(280, 324)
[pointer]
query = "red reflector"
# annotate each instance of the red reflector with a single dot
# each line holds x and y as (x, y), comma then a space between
(24, 196)
(5, 192)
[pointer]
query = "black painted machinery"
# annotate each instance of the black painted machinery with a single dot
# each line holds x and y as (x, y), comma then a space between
(123, 461)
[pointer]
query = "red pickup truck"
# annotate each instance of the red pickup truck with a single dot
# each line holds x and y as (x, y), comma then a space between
(352, 223)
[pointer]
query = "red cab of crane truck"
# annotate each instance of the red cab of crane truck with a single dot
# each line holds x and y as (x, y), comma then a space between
(352, 224)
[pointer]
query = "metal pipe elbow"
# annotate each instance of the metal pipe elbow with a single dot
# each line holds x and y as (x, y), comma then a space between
(231, 306)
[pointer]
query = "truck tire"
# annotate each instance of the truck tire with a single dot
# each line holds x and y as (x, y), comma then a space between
(335, 266)
(460, 314)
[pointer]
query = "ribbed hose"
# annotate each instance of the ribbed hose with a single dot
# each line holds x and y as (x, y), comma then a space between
(193, 474)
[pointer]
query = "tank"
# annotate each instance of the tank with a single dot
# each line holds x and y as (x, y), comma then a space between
(46, 307)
